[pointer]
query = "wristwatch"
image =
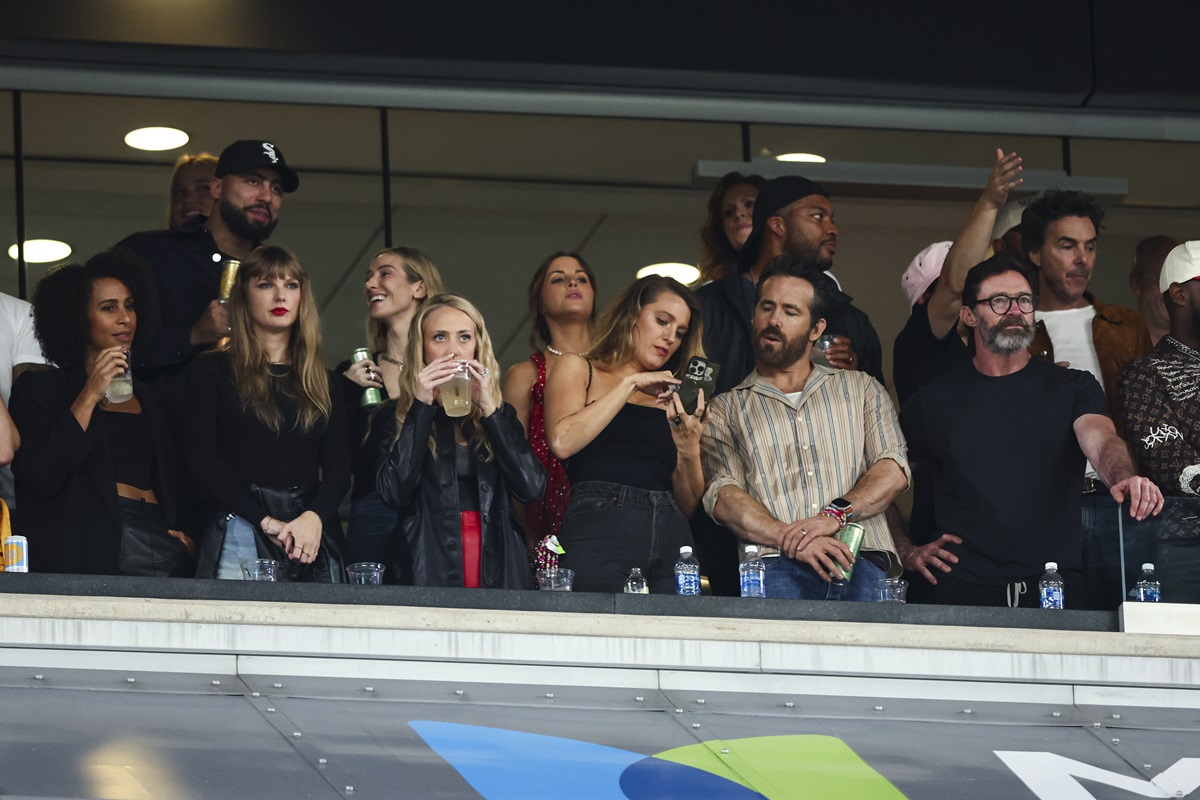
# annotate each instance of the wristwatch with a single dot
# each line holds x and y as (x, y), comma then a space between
(843, 505)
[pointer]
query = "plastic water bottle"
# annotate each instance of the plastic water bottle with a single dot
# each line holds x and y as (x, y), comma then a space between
(687, 573)
(636, 582)
(1051, 587)
(753, 573)
(1147, 589)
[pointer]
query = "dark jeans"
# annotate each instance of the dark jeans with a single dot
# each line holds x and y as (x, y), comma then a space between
(610, 529)
(1177, 565)
(372, 528)
(951, 591)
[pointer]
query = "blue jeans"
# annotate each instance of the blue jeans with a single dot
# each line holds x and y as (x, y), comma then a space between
(239, 546)
(609, 529)
(795, 580)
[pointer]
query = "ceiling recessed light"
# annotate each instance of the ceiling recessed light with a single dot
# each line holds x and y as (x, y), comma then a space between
(805, 158)
(42, 251)
(684, 273)
(156, 138)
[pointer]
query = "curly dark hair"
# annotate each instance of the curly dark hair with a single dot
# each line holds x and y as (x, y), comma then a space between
(1051, 206)
(61, 299)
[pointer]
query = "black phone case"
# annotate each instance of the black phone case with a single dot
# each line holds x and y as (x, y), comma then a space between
(701, 374)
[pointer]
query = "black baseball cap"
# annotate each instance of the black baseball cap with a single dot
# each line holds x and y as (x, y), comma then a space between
(778, 193)
(246, 155)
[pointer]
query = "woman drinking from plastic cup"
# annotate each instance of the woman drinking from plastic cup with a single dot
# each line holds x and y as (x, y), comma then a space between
(457, 458)
(96, 472)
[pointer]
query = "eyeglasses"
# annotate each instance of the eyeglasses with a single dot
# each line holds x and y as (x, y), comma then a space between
(1001, 303)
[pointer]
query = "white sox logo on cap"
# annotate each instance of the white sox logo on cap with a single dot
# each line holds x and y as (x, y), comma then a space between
(269, 152)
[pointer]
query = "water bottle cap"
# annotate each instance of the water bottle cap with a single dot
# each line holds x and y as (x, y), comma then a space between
(751, 549)
(1147, 566)
(1052, 565)
(686, 550)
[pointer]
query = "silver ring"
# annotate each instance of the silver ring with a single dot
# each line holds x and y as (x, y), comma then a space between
(486, 372)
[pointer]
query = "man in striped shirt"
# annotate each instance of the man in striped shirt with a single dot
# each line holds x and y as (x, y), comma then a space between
(797, 450)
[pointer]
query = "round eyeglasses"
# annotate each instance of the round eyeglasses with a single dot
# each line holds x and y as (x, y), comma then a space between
(1001, 303)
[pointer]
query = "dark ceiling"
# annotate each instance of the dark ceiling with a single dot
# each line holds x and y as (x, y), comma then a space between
(1062, 54)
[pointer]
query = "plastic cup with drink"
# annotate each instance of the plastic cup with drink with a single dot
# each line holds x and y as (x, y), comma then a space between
(456, 392)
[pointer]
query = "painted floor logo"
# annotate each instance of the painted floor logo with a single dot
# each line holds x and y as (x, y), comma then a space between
(500, 763)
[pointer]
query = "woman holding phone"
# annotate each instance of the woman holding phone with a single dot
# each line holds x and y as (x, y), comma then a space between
(632, 450)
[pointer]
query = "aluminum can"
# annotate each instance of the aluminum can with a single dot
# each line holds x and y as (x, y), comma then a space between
(229, 271)
(852, 537)
(16, 554)
(371, 396)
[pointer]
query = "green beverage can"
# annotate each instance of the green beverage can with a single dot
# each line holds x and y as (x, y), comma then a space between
(371, 396)
(852, 537)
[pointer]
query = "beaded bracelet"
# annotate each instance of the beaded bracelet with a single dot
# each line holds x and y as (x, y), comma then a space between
(842, 517)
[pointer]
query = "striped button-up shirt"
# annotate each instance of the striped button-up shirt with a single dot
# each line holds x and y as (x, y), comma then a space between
(794, 454)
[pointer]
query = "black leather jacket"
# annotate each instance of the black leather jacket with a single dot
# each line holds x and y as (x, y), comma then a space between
(425, 491)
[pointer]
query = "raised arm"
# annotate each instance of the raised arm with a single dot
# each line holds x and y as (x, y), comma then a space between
(972, 243)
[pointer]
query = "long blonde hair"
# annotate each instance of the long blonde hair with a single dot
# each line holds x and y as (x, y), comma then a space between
(612, 344)
(415, 362)
(307, 382)
(417, 267)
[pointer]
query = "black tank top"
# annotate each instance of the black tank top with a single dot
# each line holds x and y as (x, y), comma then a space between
(635, 449)
(131, 445)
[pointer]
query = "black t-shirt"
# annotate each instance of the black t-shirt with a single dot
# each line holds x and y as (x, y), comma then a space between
(1009, 471)
(919, 357)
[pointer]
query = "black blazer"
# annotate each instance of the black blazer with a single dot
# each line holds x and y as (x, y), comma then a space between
(66, 487)
(425, 490)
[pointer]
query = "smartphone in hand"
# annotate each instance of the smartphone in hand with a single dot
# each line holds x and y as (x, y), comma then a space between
(701, 374)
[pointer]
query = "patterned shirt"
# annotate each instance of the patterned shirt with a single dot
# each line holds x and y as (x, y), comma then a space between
(794, 455)
(1159, 402)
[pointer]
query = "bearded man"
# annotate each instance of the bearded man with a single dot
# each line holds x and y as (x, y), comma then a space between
(1006, 436)
(796, 451)
(185, 263)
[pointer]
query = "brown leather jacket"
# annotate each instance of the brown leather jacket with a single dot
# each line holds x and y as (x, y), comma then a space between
(1119, 336)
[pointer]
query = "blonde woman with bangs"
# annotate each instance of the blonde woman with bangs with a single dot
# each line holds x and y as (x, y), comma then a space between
(267, 437)
(398, 281)
(632, 451)
(453, 480)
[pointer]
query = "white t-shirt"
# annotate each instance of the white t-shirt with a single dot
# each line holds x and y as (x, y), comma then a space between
(1071, 334)
(18, 345)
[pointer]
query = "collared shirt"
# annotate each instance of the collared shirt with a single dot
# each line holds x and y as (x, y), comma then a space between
(795, 454)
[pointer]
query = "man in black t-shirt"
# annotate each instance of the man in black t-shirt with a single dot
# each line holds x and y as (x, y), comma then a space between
(1006, 437)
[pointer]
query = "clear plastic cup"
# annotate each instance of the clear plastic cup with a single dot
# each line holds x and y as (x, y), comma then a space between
(120, 388)
(365, 573)
(456, 393)
(819, 347)
(893, 590)
(260, 569)
(556, 579)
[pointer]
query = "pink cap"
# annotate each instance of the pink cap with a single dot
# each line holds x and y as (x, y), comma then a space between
(923, 271)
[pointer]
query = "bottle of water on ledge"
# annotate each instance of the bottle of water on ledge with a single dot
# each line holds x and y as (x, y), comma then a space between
(687, 573)
(753, 573)
(636, 582)
(1051, 587)
(1147, 589)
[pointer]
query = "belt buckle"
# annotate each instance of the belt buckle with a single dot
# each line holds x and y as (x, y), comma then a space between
(1093, 485)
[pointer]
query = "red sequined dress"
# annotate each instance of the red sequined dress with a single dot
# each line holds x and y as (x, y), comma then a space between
(545, 516)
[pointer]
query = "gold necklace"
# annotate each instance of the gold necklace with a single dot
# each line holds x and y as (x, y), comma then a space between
(399, 364)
